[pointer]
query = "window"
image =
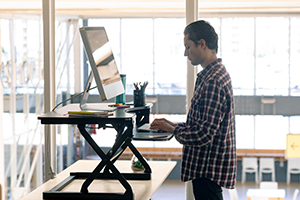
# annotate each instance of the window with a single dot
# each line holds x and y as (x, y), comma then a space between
(137, 52)
(146, 51)
(169, 60)
(260, 57)
(245, 133)
(294, 124)
(237, 43)
(272, 56)
(270, 132)
(294, 56)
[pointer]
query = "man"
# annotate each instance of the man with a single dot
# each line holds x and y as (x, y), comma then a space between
(208, 135)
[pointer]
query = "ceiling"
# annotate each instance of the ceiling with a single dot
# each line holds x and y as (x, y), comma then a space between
(152, 8)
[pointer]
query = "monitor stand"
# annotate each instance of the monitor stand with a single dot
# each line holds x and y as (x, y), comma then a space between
(83, 102)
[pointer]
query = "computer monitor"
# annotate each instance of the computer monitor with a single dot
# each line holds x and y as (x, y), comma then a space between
(104, 69)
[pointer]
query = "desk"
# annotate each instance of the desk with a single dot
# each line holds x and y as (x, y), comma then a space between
(271, 194)
(123, 123)
(143, 189)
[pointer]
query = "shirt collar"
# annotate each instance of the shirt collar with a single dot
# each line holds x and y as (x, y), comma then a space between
(209, 67)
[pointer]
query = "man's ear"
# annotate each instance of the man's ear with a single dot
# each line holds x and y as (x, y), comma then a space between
(202, 43)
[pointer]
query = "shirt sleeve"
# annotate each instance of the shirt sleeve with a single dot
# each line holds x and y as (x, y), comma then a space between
(181, 124)
(204, 117)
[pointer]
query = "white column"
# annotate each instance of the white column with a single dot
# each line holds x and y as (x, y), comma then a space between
(191, 15)
(12, 111)
(68, 95)
(39, 167)
(77, 59)
(49, 85)
(39, 163)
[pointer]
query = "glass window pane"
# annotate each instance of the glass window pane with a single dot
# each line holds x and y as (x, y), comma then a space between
(270, 132)
(244, 132)
(150, 51)
(137, 52)
(32, 34)
(6, 56)
(238, 53)
(169, 61)
(33, 52)
(272, 57)
(60, 56)
(5, 41)
(294, 124)
(295, 55)
(20, 40)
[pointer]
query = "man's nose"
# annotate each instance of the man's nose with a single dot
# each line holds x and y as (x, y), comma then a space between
(185, 53)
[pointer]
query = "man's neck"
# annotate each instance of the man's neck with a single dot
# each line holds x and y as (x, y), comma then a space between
(211, 58)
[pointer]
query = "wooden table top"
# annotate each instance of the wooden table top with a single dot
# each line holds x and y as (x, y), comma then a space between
(142, 189)
(271, 194)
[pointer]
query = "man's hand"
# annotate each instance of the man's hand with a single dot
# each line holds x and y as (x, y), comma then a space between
(163, 124)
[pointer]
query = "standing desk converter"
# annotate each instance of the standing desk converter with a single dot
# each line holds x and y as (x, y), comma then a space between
(124, 122)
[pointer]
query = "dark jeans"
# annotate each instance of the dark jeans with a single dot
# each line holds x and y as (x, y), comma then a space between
(205, 189)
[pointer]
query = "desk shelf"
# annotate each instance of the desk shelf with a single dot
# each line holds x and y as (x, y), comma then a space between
(123, 123)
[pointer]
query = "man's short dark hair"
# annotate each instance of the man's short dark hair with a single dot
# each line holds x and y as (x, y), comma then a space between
(202, 30)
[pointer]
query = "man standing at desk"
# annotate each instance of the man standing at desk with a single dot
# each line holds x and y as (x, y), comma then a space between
(208, 135)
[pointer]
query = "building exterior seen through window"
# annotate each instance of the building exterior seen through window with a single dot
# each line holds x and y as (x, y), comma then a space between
(262, 59)
(146, 51)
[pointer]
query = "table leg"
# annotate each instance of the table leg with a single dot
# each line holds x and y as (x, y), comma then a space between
(123, 140)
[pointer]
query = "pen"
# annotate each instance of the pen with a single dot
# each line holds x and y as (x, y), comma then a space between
(135, 85)
(115, 105)
(145, 85)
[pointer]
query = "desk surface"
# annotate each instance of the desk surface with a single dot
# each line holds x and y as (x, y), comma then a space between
(142, 189)
(269, 193)
(59, 116)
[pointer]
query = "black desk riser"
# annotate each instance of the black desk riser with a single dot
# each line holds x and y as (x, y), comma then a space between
(124, 122)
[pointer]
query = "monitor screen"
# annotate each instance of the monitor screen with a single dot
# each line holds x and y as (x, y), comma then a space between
(101, 59)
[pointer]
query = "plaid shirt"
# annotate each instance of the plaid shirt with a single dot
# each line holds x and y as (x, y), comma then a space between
(208, 136)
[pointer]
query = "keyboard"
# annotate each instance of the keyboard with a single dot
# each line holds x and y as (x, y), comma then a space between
(146, 128)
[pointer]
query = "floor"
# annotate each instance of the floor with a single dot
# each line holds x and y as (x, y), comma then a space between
(175, 190)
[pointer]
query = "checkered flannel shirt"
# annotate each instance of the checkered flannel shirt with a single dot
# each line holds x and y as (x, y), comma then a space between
(208, 135)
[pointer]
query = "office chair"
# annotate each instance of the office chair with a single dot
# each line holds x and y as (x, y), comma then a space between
(249, 165)
(189, 194)
(293, 167)
(268, 185)
(296, 192)
(233, 194)
(266, 165)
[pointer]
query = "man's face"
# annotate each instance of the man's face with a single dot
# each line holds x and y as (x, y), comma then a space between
(192, 51)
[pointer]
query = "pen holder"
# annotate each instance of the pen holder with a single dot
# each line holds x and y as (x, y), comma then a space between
(122, 97)
(139, 98)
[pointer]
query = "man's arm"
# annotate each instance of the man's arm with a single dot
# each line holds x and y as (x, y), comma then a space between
(205, 115)
(163, 124)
